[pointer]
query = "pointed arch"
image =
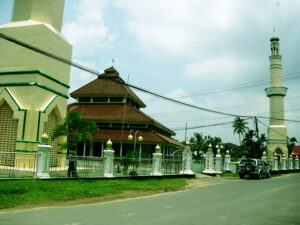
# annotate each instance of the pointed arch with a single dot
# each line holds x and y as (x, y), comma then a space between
(19, 113)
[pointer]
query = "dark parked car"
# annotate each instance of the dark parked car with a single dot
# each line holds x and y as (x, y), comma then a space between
(254, 167)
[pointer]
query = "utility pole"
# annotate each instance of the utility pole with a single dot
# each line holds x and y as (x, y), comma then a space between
(256, 127)
(185, 132)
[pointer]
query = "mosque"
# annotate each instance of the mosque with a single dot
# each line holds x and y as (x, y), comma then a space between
(34, 91)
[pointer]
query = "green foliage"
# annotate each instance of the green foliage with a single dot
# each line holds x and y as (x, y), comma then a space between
(253, 147)
(32, 192)
(131, 161)
(199, 144)
(291, 143)
(75, 129)
(240, 127)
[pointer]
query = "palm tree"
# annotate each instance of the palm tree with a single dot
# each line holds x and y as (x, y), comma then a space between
(76, 131)
(239, 126)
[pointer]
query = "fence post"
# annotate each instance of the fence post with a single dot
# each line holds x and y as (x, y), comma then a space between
(209, 161)
(109, 154)
(283, 162)
(43, 160)
(291, 166)
(264, 157)
(187, 160)
(227, 161)
(275, 163)
(157, 160)
(218, 162)
(297, 163)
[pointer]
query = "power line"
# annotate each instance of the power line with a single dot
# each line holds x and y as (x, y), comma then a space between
(69, 62)
(272, 129)
(238, 86)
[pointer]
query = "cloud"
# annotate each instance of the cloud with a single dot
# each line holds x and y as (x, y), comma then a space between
(88, 33)
(213, 68)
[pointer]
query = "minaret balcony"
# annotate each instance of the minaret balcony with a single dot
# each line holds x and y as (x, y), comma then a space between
(276, 91)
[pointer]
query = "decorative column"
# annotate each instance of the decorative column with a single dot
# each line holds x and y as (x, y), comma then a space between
(275, 163)
(43, 161)
(109, 154)
(218, 160)
(226, 161)
(297, 163)
(157, 160)
(283, 163)
(209, 161)
(291, 163)
(187, 160)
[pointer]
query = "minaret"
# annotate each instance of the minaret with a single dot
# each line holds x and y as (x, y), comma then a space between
(33, 87)
(277, 132)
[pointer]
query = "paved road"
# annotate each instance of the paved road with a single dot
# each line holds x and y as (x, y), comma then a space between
(268, 201)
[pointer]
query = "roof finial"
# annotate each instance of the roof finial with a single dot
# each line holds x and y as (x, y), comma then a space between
(112, 62)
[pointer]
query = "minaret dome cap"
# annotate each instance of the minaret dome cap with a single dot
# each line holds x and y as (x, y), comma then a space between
(274, 38)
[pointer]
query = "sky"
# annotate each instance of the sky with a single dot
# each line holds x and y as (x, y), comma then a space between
(213, 54)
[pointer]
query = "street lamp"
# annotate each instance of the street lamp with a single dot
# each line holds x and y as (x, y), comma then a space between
(130, 137)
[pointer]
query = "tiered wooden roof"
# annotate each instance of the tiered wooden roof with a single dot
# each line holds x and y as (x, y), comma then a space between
(110, 84)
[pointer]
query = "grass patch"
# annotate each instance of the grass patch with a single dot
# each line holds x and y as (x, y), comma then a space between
(30, 192)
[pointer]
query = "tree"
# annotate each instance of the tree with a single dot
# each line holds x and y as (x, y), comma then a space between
(240, 127)
(291, 143)
(76, 131)
(199, 144)
(253, 147)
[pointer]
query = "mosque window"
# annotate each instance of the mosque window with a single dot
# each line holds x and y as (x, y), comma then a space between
(116, 99)
(100, 99)
(84, 99)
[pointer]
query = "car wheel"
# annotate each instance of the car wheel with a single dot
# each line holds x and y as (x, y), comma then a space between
(248, 167)
(268, 174)
(260, 175)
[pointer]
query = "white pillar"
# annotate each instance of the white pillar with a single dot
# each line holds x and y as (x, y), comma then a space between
(209, 161)
(227, 161)
(264, 157)
(291, 163)
(109, 160)
(218, 164)
(84, 148)
(157, 160)
(297, 163)
(43, 161)
(283, 163)
(102, 148)
(91, 148)
(187, 160)
(140, 152)
(275, 163)
(121, 150)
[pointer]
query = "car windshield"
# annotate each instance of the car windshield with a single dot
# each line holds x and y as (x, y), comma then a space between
(245, 161)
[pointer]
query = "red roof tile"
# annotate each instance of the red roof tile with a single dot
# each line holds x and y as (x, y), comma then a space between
(297, 150)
